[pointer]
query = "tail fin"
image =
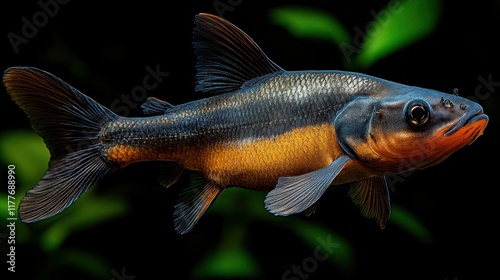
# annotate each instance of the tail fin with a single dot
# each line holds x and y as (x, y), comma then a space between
(69, 122)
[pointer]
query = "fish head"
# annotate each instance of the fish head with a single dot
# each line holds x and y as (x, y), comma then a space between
(411, 130)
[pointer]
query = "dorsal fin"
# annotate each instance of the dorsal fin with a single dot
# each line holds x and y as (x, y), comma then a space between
(155, 106)
(227, 56)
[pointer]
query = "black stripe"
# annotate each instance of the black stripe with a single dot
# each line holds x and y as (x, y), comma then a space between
(265, 108)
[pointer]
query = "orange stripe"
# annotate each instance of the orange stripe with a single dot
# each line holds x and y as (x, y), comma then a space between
(258, 164)
(251, 163)
(124, 155)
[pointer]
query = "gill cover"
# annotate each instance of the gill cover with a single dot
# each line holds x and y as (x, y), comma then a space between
(352, 127)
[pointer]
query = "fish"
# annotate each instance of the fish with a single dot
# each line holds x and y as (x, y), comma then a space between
(292, 134)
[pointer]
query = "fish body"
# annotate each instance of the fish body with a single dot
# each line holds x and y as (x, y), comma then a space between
(291, 133)
(242, 138)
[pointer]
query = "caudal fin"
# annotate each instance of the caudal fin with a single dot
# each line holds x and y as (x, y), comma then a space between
(69, 122)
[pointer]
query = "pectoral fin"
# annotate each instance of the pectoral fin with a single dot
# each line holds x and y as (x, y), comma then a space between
(193, 203)
(297, 193)
(372, 196)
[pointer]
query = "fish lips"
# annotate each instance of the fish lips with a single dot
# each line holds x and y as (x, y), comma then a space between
(472, 117)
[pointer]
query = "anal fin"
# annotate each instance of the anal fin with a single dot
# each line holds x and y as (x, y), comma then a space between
(372, 197)
(192, 204)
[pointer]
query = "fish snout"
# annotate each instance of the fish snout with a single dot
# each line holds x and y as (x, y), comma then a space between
(471, 113)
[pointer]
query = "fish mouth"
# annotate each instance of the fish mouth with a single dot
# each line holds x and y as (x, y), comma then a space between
(476, 121)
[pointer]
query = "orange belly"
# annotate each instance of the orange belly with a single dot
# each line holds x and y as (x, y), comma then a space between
(257, 164)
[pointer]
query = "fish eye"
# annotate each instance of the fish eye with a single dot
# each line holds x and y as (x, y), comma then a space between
(417, 112)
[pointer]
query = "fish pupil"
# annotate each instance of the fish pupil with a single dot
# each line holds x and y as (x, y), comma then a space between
(417, 112)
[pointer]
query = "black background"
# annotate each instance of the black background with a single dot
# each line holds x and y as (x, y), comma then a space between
(103, 48)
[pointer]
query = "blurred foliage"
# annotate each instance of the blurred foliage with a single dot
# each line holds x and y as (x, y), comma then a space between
(410, 224)
(229, 263)
(16, 147)
(397, 25)
(247, 206)
(305, 22)
(87, 263)
(92, 210)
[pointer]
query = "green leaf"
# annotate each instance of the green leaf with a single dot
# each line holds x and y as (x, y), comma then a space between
(26, 151)
(408, 222)
(312, 23)
(399, 24)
